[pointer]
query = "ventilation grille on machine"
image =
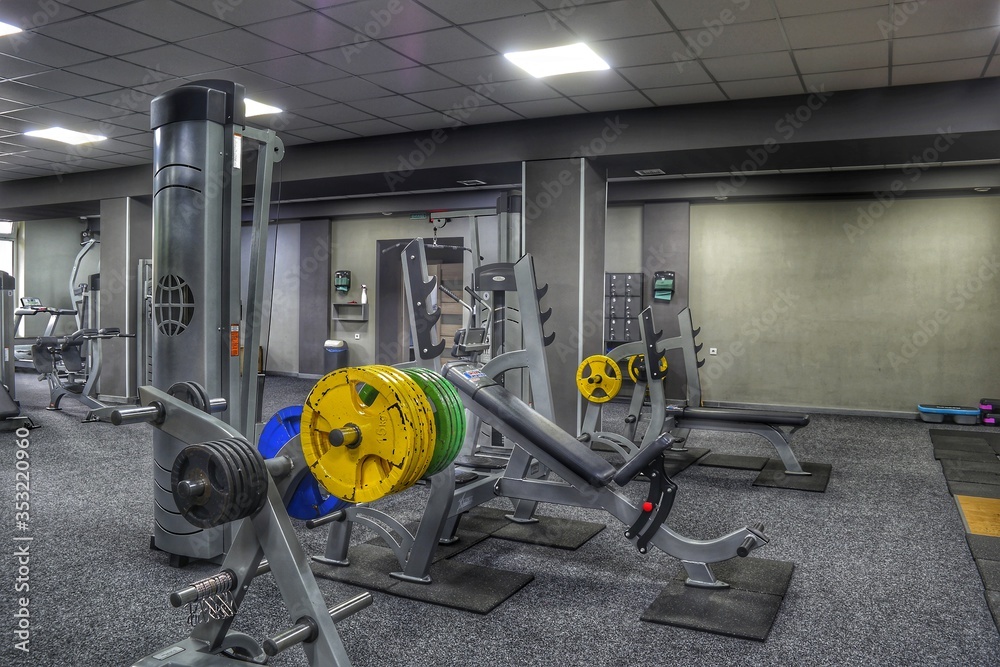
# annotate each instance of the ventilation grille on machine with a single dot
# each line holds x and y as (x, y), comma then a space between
(173, 305)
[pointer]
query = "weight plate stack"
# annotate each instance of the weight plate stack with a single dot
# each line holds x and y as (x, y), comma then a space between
(225, 481)
(449, 416)
(395, 426)
(309, 500)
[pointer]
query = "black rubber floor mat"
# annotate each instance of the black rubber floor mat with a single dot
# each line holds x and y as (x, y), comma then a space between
(774, 475)
(736, 461)
(972, 489)
(983, 547)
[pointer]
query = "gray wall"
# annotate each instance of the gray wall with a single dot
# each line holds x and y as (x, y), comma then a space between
(354, 249)
(50, 246)
(314, 285)
(848, 304)
(623, 239)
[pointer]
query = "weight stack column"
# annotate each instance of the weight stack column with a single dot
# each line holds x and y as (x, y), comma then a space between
(196, 277)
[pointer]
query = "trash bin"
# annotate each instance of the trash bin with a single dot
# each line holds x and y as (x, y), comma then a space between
(334, 355)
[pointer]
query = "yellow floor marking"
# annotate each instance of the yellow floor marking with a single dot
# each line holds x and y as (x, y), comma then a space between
(982, 515)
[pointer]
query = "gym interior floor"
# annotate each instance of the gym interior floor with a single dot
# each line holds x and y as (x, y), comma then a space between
(883, 574)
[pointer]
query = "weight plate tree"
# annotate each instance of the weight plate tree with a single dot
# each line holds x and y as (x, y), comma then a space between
(309, 500)
(367, 432)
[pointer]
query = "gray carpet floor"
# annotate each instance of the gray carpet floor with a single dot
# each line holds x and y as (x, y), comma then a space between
(883, 575)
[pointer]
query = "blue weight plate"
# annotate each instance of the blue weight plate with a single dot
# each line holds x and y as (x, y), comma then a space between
(308, 501)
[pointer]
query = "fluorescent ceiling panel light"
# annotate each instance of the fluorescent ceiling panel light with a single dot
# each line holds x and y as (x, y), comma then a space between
(557, 60)
(8, 29)
(473, 182)
(255, 108)
(650, 172)
(65, 136)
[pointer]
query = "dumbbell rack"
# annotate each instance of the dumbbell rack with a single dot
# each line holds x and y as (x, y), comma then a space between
(268, 533)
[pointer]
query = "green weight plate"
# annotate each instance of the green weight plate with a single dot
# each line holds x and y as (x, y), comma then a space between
(449, 416)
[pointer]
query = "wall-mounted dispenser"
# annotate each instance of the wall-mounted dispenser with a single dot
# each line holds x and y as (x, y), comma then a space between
(342, 281)
(663, 286)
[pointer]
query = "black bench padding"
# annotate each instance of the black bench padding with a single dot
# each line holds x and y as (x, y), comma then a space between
(746, 416)
(547, 436)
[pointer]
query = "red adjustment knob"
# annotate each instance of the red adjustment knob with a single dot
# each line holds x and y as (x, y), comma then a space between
(647, 506)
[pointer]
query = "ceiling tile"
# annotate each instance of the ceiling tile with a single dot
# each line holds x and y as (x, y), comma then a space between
(304, 32)
(483, 10)
(736, 39)
(462, 97)
(320, 4)
(622, 18)
(493, 113)
(125, 100)
(833, 58)
(137, 121)
(411, 80)
(238, 47)
(378, 19)
(40, 116)
(937, 16)
(645, 50)
(116, 71)
(143, 139)
(85, 109)
(168, 21)
(994, 68)
(438, 46)
(711, 15)
(245, 12)
(952, 46)
(125, 160)
(334, 114)
(949, 70)
(347, 90)
(12, 68)
(525, 90)
(674, 74)
(368, 128)
(253, 82)
(708, 92)
(387, 107)
(784, 85)
(364, 58)
(40, 49)
(628, 99)
(324, 134)
(424, 121)
(174, 60)
(11, 124)
(65, 82)
(18, 92)
(11, 105)
(474, 71)
(589, 83)
(293, 98)
(542, 108)
(803, 7)
(99, 35)
(290, 122)
(297, 70)
(849, 80)
(519, 33)
(836, 28)
(751, 66)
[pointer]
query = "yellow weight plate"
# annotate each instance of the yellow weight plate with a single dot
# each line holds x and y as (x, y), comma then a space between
(599, 378)
(637, 367)
(423, 418)
(390, 431)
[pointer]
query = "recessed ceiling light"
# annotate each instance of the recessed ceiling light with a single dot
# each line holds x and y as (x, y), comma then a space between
(255, 108)
(557, 60)
(8, 29)
(650, 172)
(981, 189)
(65, 136)
(472, 182)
